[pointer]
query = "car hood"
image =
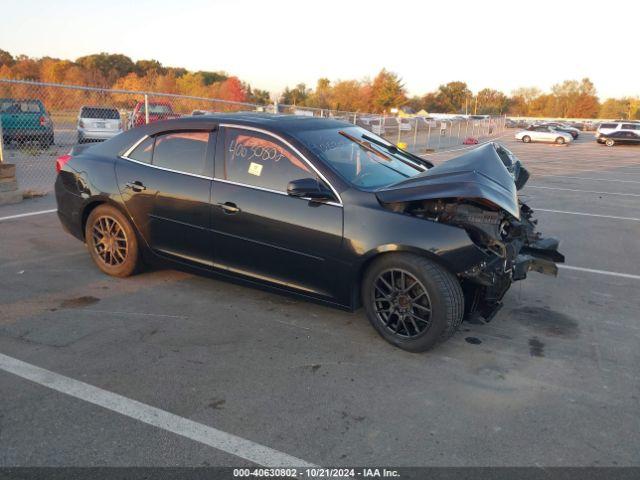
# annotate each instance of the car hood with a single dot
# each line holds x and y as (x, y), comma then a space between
(479, 174)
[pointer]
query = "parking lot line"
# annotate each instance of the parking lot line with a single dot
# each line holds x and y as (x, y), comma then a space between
(600, 272)
(30, 214)
(594, 179)
(633, 219)
(226, 442)
(585, 191)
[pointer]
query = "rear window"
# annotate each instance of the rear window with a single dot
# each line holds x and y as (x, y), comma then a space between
(13, 106)
(631, 126)
(157, 108)
(181, 151)
(98, 112)
(608, 125)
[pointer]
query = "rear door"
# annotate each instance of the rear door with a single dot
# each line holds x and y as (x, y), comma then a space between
(165, 183)
(260, 231)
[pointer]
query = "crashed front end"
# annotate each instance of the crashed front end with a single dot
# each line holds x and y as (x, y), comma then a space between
(478, 192)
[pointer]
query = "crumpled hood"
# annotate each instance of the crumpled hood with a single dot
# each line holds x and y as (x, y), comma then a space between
(477, 174)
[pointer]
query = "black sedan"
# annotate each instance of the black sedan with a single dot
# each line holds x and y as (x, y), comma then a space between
(620, 137)
(314, 207)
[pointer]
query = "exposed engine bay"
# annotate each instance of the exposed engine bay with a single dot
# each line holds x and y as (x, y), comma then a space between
(498, 223)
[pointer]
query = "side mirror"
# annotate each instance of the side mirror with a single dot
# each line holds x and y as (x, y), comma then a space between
(309, 188)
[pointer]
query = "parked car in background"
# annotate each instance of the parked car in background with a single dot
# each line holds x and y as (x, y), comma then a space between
(620, 136)
(563, 127)
(98, 123)
(157, 111)
(543, 133)
(25, 120)
(610, 127)
(314, 207)
(405, 124)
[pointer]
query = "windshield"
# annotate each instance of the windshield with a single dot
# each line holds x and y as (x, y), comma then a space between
(360, 157)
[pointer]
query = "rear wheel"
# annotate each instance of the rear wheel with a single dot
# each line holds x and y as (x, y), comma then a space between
(112, 242)
(560, 141)
(526, 139)
(412, 302)
(610, 142)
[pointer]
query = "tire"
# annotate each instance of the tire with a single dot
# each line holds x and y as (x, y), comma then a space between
(526, 139)
(442, 293)
(560, 141)
(609, 142)
(111, 258)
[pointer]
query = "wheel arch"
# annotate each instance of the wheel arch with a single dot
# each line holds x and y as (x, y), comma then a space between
(383, 251)
(94, 203)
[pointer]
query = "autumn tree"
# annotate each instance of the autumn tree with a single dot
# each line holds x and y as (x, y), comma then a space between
(387, 91)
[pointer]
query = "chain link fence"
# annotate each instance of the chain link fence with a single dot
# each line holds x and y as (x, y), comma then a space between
(41, 121)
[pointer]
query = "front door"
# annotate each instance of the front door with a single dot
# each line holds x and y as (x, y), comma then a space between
(261, 232)
(165, 183)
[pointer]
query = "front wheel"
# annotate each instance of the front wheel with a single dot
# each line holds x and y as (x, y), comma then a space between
(526, 139)
(411, 301)
(610, 142)
(112, 242)
(560, 141)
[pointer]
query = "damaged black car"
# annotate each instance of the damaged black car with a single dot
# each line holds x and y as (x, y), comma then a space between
(314, 207)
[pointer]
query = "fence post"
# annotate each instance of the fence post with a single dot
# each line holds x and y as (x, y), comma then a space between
(355, 118)
(1, 144)
(399, 129)
(428, 134)
(415, 133)
(146, 109)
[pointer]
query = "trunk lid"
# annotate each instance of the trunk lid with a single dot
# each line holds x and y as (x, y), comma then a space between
(479, 174)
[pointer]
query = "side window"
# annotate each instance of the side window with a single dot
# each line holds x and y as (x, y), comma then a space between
(253, 158)
(181, 151)
(142, 153)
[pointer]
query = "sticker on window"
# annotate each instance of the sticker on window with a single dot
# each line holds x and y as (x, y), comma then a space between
(255, 169)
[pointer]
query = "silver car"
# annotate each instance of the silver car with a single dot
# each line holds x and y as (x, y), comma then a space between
(98, 123)
(543, 133)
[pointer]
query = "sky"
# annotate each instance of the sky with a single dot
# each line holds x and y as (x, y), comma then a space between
(277, 43)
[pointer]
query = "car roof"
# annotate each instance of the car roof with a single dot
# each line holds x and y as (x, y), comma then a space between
(286, 125)
(278, 121)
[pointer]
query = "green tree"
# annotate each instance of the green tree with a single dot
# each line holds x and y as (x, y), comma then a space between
(491, 102)
(295, 96)
(451, 98)
(6, 58)
(142, 67)
(110, 66)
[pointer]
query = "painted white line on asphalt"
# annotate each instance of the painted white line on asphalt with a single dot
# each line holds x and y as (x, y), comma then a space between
(594, 179)
(586, 191)
(600, 272)
(22, 215)
(184, 427)
(633, 219)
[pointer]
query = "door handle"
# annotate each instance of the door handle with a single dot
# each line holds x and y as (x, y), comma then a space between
(229, 208)
(136, 186)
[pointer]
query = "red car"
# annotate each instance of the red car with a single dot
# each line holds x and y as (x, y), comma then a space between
(470, 141)
(157, 111)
